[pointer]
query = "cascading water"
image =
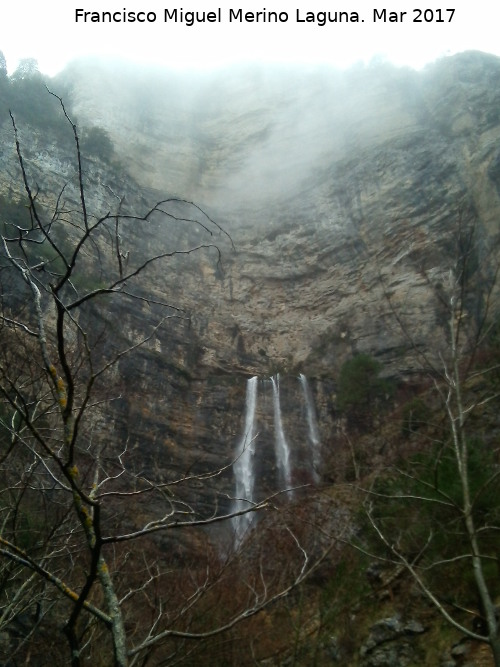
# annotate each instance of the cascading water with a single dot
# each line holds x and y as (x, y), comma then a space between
(246, 462)
(282, 449)
(243, 467)
(312, 424)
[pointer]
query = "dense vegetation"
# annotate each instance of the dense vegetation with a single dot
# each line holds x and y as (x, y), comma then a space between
(25, 94)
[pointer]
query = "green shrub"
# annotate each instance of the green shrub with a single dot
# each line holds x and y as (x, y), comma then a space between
(361, 391)
(416, 414)
(97, 143)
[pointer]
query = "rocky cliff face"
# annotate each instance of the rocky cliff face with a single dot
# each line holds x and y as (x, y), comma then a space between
(333, 186)
(324, 180)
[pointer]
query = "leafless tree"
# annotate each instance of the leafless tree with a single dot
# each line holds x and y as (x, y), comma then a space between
(64, 549)
(449, 494)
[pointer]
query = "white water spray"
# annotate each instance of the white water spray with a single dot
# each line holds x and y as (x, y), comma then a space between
(312, 424)
(243, 467)
(281, 445)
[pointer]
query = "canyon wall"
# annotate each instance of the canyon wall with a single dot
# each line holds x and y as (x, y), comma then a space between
(334, 190)
(326, 181)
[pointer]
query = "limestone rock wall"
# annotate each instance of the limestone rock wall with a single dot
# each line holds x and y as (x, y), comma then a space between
(335, 188)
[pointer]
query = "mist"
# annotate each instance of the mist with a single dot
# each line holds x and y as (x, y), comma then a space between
(241, 138)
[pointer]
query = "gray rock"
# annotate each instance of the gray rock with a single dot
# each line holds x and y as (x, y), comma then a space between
(388, 644)
(414, 628)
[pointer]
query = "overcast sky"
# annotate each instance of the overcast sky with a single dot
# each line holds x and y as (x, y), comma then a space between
(49, 32)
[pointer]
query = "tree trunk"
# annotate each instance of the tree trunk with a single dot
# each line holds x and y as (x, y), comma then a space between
(117, 627)
(495, 649)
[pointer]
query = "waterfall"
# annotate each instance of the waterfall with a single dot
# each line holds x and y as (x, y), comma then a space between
(281, 445)
(312, 424)
(243, 467)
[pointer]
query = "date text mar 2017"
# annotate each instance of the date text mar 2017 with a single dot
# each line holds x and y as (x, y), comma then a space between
(415, 16)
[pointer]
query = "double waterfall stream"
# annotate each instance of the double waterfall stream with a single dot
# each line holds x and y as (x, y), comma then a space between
(249, 446)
